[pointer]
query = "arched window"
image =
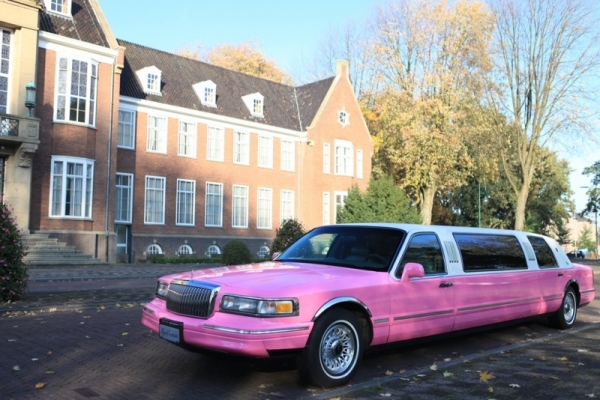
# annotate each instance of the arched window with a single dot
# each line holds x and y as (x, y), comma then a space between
(213, 250)
(185, 249)
(263, 252)
(154, 249)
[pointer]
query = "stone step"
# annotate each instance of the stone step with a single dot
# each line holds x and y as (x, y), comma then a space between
(42, 250)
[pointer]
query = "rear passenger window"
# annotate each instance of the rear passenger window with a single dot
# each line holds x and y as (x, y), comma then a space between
(482, 252)
(543, 252)
(424, 249)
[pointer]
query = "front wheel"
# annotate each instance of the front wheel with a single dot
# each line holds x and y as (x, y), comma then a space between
(566, 314)
(334, 350)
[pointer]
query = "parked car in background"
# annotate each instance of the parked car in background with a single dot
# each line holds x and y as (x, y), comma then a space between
(343, 288)
(580, 254)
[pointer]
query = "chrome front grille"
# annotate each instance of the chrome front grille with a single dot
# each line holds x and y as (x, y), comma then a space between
(192, 299)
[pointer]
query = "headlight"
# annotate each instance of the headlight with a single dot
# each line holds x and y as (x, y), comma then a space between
(259, 307)
(162, 289)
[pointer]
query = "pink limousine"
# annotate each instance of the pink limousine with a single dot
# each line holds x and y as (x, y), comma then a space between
(342, 288)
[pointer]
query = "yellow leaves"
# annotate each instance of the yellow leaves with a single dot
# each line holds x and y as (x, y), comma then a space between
(389, 373)
(448, 374)
(40, 385)
(49, 372)
(124, 333)
(564, 358)
(16, 368)
(485, 376)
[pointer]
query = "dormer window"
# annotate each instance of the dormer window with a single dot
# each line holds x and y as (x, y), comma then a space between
(59, 6)
(343, 117)
(255, 104)
(207, 93)
(150, 78)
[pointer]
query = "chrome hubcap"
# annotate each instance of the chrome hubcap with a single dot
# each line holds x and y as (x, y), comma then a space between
(338, 349)
(569, 308)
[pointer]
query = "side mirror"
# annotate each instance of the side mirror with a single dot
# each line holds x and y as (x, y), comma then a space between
(412, 270)
(275, 255)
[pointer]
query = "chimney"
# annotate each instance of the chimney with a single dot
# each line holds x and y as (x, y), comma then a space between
(341, 68)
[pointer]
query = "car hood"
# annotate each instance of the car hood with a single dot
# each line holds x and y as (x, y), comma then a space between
(269, 277)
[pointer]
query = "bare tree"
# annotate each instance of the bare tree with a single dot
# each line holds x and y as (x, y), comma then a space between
(545, 51)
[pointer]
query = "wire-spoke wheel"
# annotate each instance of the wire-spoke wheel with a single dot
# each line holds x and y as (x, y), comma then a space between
(567, 313)
(333, 351)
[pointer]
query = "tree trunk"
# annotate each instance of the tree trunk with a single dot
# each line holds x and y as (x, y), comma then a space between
(521, 204)
(427, 205)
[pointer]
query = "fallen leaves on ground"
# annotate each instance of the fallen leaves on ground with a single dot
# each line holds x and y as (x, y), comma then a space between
(448, 374)
(433, 367)
(514, 385)
(485, 376)
(389, 373)
(16, 368)
(40, 385)
(124, 333)
(564, 358)
(49, 372)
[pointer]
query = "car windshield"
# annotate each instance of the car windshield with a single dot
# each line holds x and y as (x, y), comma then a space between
(351, 246)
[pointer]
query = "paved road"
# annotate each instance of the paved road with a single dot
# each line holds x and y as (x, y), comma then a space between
(105, 352)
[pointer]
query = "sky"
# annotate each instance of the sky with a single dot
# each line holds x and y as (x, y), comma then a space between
(289, 32)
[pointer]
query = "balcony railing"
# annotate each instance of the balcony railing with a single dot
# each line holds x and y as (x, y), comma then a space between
(9, 126)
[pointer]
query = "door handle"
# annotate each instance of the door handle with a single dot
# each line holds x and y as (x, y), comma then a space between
(445, 284)
(560, 274)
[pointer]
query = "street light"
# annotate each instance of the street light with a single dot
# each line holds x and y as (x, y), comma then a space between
(595, 223)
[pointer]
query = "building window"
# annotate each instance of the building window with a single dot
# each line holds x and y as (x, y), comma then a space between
(286, 206)
(258, 107)
(343, 158)
(206, 92)
(5, 56)
(186, 202)
(214, 204)
(124, 193)
(76, 91)
(153, 83)
(287, 155)
(126, 129)
(153, 249)
(265, 151)
(326, 208)
(154, 206)
(255, 104)
(209, 95)
(59, 6)
(265, 208)
(343, 118)
(187, 139)
(359, 164)
(263, 252)
(241, 148)
(157, 134)
(150, 78)
(240, 207)
(214, 143)
(72, 183)
(340, 201)
(184, 249)
(326, 158)
(213, 250)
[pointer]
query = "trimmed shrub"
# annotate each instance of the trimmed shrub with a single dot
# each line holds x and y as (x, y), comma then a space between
(13, 271)
(286, 235)
(236, 252)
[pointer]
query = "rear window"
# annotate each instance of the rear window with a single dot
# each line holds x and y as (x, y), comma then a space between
(485, 252)
(543, 252)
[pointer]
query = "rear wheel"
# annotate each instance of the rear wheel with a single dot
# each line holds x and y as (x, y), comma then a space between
(567, 313)
(334, 350)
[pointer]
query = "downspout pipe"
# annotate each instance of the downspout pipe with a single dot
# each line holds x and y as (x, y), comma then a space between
(109, 157)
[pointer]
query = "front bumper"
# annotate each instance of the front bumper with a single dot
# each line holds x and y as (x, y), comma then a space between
(230, 333)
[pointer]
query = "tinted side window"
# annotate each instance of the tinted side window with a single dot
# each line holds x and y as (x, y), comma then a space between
(543, 252)
(482, 252)
(424, 249)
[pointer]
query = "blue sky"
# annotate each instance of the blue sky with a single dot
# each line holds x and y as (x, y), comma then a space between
(288, 30)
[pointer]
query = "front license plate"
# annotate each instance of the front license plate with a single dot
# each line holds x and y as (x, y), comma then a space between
(170, 330)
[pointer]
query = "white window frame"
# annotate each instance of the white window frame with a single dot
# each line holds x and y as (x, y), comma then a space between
(186, 146)
(217, 219)
(152, 194)
(151, 80)
(344, 158)
(206, 92)
(343, 117)
(241, 147)
(53, 6)
(263, 252)
(341, 196)
(264, 205)
(265, 151)
(63, 91)
(326, 208)
(359, 164)
(239, 206)
(288, 155)
(185, 249)
(255, 103)
(5, 108)
(126, 130)
(286, 205)
(215, 143)
(124, 191)
(186, 196)
(64, 186)
(326, 158)
(153, 249)
(156, 140)
(213, 249)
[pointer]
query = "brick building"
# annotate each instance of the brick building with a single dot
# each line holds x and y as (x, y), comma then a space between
(143, 152)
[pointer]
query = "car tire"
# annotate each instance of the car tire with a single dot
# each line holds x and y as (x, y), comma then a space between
(565, 317)
(333, 351)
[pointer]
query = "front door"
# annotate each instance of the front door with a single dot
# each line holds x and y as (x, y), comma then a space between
(123, 243)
